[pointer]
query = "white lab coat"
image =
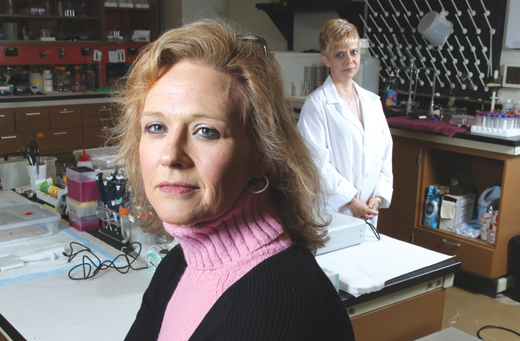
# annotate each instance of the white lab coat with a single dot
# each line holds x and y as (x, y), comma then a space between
(354, 162)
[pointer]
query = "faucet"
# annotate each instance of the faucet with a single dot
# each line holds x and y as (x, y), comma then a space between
(430, 110)
(413, 69)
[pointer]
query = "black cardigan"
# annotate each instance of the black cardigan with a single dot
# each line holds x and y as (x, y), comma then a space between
(285, 297)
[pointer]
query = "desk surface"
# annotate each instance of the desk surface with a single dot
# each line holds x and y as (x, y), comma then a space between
(104, 307)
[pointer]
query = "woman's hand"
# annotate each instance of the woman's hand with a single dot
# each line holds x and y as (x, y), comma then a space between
(363, 210)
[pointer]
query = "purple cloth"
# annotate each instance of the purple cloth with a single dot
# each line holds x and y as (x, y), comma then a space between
(427, 124)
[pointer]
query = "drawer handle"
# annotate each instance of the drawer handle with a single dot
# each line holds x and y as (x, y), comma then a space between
(105, 119)
(33, 114)
(62, 133)
(66, 112)
(8, 137)
(2, 115)
(103, 109)
(451, 243)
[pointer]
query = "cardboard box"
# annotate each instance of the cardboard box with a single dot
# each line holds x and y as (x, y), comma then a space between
(461, 207)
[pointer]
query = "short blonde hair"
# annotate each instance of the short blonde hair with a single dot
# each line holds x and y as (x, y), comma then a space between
(335, 34)
(259, 95)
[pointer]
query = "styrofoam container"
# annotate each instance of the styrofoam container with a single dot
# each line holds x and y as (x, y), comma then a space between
(83, 223)
(81, 209)
(21, 222)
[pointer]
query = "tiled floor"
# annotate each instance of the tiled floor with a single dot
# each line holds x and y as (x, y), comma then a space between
(469, 312)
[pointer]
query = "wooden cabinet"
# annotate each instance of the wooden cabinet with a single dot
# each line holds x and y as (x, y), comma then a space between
(55, 128)
(7, 121)
(97, 123)
(85, 21)
(59, 140)
(31, 119)
(65, 117)
(438, 162)
(12, 142)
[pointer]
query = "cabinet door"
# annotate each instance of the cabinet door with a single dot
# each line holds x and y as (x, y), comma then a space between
(65, 117)
(96, 110)
(13, 142)
(7, 121)
(31, 119)
(95, 136)
(398, 221)
(475, 256)
(56, 140)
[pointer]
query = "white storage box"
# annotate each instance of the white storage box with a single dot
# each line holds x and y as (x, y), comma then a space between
(343, 231)
(457, 209)
(26, 221)
(102, 158)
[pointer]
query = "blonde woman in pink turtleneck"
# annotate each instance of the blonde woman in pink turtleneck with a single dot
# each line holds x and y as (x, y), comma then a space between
(210, 142)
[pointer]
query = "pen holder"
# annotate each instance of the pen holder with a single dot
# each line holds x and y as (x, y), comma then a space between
(36, 173)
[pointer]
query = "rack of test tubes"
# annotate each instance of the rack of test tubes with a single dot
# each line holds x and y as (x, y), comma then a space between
(496, 124)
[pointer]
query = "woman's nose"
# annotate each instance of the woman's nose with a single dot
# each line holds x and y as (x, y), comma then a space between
(174, 152)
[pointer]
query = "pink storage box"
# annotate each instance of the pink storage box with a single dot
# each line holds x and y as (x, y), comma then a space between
(83, 223)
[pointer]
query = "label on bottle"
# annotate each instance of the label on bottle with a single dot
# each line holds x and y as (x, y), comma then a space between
(391, 98)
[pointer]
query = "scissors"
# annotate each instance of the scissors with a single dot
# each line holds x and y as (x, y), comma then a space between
(33, 153)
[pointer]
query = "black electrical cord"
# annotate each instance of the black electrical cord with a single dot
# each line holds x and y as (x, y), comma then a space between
(92, 267)
(497, 327)
(374, 229)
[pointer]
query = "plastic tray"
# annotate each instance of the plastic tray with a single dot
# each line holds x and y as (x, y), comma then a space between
(21, 222)
(102, 158)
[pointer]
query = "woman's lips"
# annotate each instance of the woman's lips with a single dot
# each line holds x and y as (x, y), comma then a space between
(175, 187)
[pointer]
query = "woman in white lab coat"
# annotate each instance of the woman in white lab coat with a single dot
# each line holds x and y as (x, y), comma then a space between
(345, 126)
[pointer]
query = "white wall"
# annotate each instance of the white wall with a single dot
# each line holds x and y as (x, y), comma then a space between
(306, 26)
(509, 56)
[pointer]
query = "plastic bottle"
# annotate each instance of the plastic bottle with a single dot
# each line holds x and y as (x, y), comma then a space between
(507, 107)
(47, 81)
(431, 208)
(516, 108)
(489, 196)
(78, 78)
(391, 92)
(124, 223)
(368, 75)
(35, 80)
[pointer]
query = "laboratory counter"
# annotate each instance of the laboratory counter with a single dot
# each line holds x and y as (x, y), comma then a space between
(53, 98)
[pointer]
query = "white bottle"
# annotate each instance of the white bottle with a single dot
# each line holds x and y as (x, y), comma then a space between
(35, 80)
(47, 81)
(516, 108)
(368, 74)
(507, 107)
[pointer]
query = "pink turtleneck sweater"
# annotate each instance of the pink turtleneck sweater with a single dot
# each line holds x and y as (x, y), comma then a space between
(218, 253)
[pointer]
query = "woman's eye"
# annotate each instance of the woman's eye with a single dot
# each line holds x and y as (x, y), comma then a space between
(354, 52)
(208, 133)
(339, 55)
(155, 128)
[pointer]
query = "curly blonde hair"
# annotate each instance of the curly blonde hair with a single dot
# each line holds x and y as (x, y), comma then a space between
(294, 179)
(337, 33)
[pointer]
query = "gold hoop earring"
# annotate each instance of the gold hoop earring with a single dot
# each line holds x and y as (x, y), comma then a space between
(260, 191)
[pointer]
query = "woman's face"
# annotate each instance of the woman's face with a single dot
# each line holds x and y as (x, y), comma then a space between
(344, 62)
(195, 151)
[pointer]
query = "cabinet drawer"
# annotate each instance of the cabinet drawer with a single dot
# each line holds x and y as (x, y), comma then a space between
(13, 142)
(92, 110)
(31, 119)
(65, 117)
(474, 258)
(7, 121)
(63, 139)
(98, 121)
(95, 136)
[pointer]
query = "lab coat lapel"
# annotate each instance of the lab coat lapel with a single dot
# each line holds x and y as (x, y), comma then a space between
(332, 95)
(367, 110)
